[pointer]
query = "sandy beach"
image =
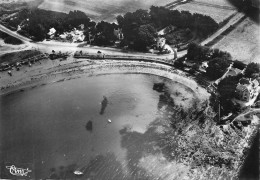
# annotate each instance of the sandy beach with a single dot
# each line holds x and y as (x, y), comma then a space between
(47, 71)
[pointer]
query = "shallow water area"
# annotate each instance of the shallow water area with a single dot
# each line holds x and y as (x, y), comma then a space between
(45, 128)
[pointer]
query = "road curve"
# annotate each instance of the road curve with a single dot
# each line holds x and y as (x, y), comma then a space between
(48, 46)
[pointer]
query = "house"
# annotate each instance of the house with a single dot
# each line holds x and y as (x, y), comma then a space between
(233, 72)
(165, 48)
(161, 41)
(119, 34)
(203, 67)
(247, 89)
(75, 35)
(81, 26)
(51, 32)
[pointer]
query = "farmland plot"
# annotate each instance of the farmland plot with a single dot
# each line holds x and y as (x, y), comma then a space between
(243, 42)
(224, 3)
(101, 9)
(216, 11)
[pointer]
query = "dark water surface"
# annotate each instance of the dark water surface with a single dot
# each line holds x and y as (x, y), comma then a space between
(47, 129)
(61, 128)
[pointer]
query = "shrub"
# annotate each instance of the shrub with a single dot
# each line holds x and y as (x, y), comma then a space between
(12, 40)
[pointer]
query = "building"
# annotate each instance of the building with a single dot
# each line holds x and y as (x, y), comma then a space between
(161, 41)
(247, 89)
(234, 72)
(119, 34)
(52, 32)
(203, 67)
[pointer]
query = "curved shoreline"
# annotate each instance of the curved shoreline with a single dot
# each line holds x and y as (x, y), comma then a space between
(89, 68)
(101, 67)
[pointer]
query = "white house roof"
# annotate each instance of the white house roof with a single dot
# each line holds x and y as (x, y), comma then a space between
(51, 31)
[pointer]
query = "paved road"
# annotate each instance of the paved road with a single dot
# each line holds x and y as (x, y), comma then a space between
(14, 34)
(48, 46)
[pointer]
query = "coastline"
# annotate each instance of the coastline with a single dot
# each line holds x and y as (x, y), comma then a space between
(88, 68)
(78, 69)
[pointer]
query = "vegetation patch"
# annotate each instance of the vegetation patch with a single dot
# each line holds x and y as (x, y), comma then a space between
(10, 39)
(139, 28)
(14, 57)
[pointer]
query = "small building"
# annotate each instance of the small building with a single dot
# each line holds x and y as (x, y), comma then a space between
(203, 67)
(161, 41)
(247, 89)
(233, 72)
(51, 32)
(119, 34)
(82, 26)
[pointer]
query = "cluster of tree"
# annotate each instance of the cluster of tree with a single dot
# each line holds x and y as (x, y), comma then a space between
(248, 8)
(218, 61)
(10, 39)
(163, 17)
(239, 65)
(36, 23)
(142, 22)
(139, 27)
(217, 68)
(104, 33)
(227, 87)
(198, 53)
(227, 91)
(252, 70)
(241, 4)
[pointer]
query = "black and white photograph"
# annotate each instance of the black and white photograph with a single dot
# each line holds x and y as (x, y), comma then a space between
(129, 89)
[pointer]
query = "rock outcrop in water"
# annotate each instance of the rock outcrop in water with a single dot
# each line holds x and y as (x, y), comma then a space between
(89, 126)
(103, 105)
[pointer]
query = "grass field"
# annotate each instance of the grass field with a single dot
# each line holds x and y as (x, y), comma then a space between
(101, 9)
(243, 42)
(219, 12)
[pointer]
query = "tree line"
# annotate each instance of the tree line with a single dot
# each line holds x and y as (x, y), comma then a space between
(139, 27)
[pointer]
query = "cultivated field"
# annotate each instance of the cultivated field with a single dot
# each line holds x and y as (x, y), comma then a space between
(216, 2)
(242, 42)
(218, 10)
(14, 1)
(101, 9)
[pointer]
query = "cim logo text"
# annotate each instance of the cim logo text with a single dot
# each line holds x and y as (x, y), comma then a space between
(18, 171)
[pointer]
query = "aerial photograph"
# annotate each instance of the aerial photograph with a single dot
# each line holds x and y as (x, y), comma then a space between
(130, 89)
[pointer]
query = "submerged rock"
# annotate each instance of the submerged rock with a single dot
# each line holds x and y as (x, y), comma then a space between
(89, 126)
(103, 105)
